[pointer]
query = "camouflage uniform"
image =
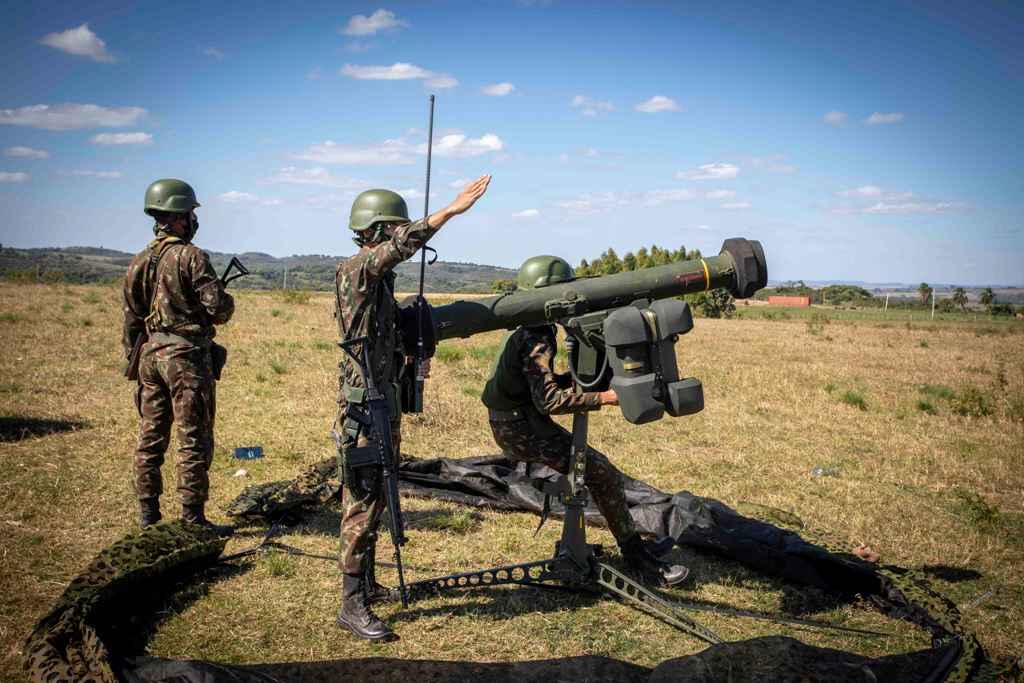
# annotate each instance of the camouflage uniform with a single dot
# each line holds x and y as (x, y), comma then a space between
(176, 382)
(365, 306)
(522, 392)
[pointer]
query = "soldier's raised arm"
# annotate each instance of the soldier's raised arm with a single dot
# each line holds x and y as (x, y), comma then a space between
(387, 212)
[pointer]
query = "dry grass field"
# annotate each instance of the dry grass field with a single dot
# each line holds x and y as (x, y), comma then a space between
(921, 424)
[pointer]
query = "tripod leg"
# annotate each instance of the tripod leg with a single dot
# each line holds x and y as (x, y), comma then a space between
(625, 588)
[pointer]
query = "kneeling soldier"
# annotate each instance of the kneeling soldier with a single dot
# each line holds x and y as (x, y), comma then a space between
(524, 391)
(172, 300)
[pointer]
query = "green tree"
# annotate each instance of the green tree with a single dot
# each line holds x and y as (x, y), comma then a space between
(610, 263)
(500, 286)
(583, 270)
(718, 303)
(924, 291)
(642, 258)
(960, 298)
(629, 261)
(987, 298)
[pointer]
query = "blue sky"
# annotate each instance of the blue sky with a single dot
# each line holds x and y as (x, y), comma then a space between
(860, 142)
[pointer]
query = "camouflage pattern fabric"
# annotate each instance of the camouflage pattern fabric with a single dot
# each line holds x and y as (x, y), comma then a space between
(176, 382)
(65, 645)
(524, 376)
(365, 306)
(362, 504)
(317, 484)
(551, 445)
(186, 295)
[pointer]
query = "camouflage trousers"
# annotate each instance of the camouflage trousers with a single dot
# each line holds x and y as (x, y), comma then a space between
(176, 386)
(540, 440)
(362, 498)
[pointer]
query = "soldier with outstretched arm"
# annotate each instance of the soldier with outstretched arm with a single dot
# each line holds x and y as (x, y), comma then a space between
(365, 306)
(173, 300)
(521, 395)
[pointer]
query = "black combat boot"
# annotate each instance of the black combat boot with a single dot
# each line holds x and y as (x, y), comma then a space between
(193, 514)
(375, 592)
(645, 565)
(149, 512)
(355, 613)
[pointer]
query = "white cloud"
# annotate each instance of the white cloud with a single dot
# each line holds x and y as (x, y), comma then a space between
(316, 176)
(656, 104)
(590, 152)
(736, 205)
(236, 197)
(601, 202)
(214, 52)
(13, 176)
(381, 20)
(122, 139)
(527, 213)
(386, 153)
(773, 164)
(589, 106)
(442, 81)
(720, 194)
(656, 197)
(879, 118)
(79, 41)
(835, 118)
(862, 191)
(400, 151)
(399, 71)
(717, 171)
(914, 207)
(563, 157)
(97, 174)
(704, 227)
(26, 152)
(71, 116)
(460, 146)
(458, 184)
(498, 89)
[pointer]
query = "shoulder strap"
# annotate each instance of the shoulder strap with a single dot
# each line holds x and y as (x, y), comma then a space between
(157, 249)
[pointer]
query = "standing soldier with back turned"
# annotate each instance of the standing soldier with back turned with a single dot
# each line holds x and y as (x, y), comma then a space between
(366, 306)
(172, 300)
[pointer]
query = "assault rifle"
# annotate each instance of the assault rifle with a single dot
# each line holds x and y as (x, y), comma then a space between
(235, 264)
(374, 416)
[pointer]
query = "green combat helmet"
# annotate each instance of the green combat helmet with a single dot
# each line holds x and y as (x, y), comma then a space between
(170, 195)
(541, 271)
(375, 206)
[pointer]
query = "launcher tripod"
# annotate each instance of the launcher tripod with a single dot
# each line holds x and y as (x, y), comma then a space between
(575, 564)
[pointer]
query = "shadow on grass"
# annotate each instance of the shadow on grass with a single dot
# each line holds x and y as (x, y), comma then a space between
(15, 428)
(950, 574)
(131, 630)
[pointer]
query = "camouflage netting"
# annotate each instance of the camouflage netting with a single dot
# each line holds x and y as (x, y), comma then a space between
(66, 644)
(69, 643)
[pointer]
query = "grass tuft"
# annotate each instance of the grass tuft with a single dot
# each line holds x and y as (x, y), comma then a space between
(294, 296)
(926, 407)
(853, 398)
(278, 367)
(937, 391)
(971, 402)
(275, 312)
(448, 354)
(278, 564)
(10, 317)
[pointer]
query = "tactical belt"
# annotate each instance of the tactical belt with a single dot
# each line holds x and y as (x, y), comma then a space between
(171, 338)
(507, 415)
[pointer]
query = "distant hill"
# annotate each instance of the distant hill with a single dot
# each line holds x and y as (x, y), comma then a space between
(305, 271)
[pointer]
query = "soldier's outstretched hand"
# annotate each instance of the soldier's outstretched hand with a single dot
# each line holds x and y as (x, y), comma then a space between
(469, 195)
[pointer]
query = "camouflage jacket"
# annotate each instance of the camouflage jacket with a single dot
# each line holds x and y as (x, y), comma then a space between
(186, 294)
(365, 303)
(524, 375)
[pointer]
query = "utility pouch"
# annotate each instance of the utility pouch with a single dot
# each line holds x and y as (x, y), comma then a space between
(131, 371)
(218, 359)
